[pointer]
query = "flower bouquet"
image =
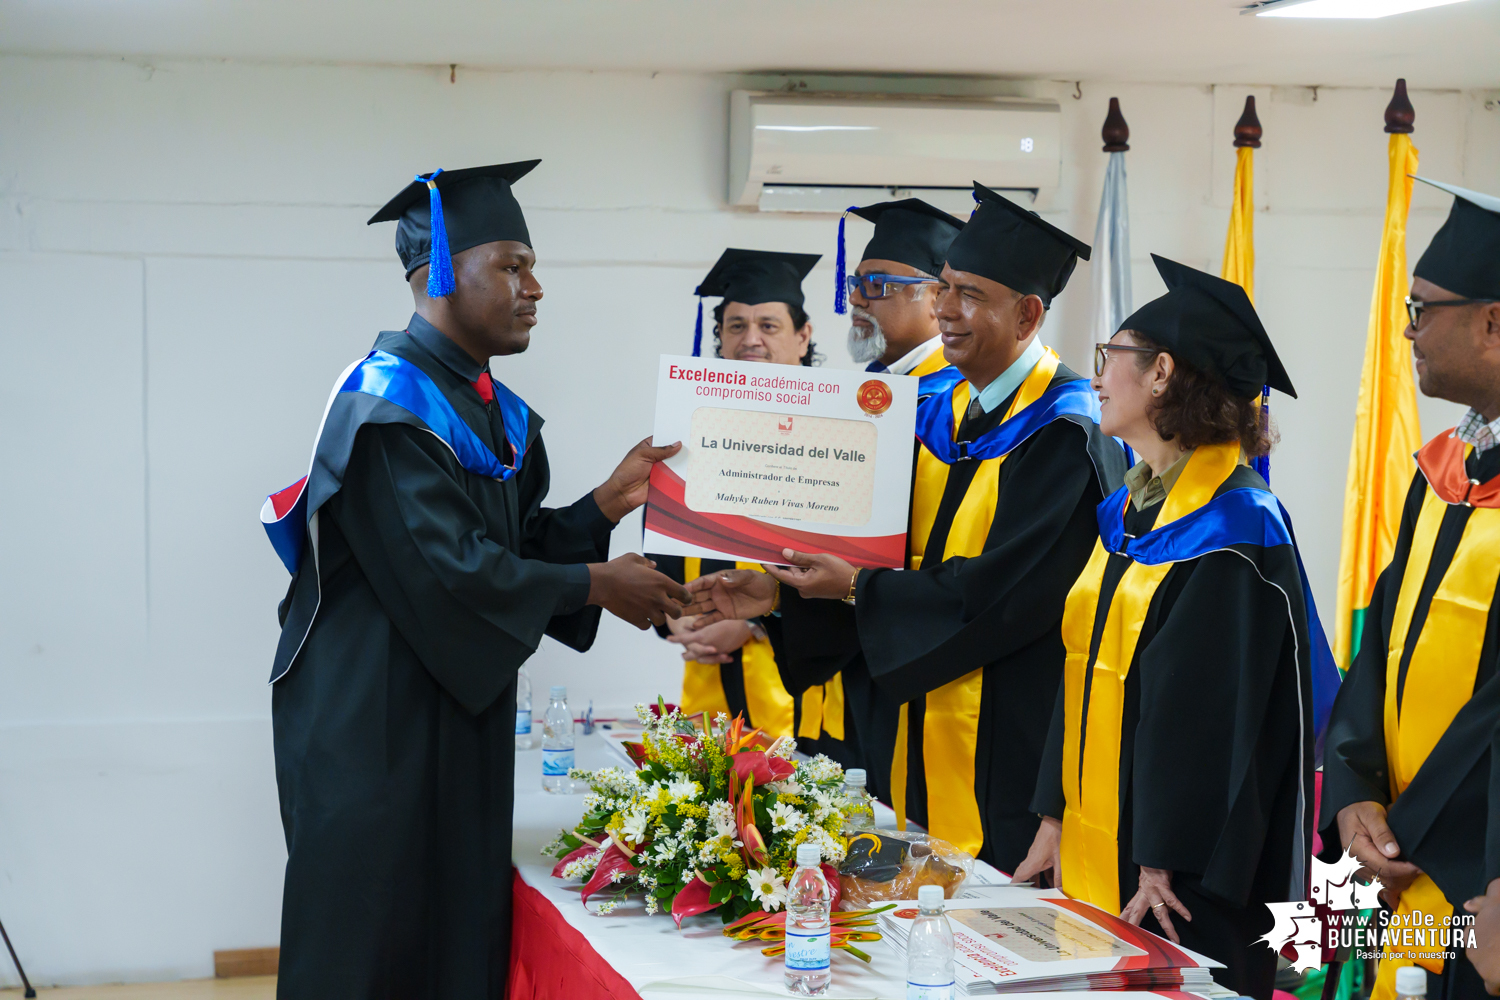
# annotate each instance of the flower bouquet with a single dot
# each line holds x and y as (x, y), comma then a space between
(710, 820)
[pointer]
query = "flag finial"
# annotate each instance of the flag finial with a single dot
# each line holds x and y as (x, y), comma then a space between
(1400, 116)
(1115, 133)
(1247, 130)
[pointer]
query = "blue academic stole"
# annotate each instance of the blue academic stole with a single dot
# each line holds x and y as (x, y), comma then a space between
(284, 514)
(942, 380)
(1245, 516)
(935, 420)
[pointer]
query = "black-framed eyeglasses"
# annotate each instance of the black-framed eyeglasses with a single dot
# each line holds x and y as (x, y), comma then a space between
(878, 286)
(1101, 354)
(1414, 307)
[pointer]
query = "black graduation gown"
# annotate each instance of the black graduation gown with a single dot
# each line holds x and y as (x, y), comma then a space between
(1440, 820)
(394, 718)
(1231, 847)
(1000, 611)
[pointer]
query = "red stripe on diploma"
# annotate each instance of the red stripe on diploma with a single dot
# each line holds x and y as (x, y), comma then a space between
(1159, 951)
(667, 514)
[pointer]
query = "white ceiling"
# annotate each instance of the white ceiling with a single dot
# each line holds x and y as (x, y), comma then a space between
(1200, 41)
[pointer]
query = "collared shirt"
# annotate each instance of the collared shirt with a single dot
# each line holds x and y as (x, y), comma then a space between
(916, 356)
(1147, 489)
(1474, 429)
(457, 360)
(992, 395)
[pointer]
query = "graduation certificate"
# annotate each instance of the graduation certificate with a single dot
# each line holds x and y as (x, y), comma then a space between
(777, 456)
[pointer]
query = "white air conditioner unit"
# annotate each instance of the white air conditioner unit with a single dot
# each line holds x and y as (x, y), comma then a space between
(823, 153)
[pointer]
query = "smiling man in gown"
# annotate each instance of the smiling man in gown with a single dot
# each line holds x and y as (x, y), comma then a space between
(426, 571)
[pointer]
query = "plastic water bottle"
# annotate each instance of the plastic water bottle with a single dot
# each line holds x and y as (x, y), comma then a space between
(861, 814)
(808, 942)
(523, 710)
(557, 743)
(1411, 983)
(929, 949)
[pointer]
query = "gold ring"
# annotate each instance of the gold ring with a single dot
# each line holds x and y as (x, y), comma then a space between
(1156, 905)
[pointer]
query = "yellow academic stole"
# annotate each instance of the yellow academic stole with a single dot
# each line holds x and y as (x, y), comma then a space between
(771, 707)
(1090, 851)
(950, 725)
(1440, 676)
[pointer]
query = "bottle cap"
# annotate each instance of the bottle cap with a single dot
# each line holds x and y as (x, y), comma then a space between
(559, 692)
(808, 854)
(1411, 981)
(930, 896)
(855, 776)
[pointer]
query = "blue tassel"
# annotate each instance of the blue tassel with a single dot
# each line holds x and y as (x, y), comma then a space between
(1262, 463)
(698, 331)
(440, 281)
(841, 270)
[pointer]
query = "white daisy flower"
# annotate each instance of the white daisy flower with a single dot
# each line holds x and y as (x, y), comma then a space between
(823, 805)
(788, 787)
(785, 818)
(683, 787)
(721, 816)
(634, 826)
(767, 889)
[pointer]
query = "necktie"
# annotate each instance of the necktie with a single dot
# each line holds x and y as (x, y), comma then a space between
(485, 388)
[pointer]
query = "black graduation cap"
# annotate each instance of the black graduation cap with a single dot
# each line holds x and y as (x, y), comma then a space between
(1210, 323)
(1464, 256)
(908, 231)
(1016, 247)
(448, 211)
(753, 277)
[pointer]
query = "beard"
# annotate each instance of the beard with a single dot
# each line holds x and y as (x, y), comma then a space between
(865, 347)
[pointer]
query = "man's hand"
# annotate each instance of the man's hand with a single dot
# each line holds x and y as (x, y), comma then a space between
(712, 644)
(1363, 832)
(819, 575)
(1154, 894)
(630, 588)
(1044, 855)
(734, 593)
(626, 489)
(1485, 955)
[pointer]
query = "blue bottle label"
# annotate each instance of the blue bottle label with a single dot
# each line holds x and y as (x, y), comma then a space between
(523, 721)
(922, 991)
(557, 763)
(807, 952)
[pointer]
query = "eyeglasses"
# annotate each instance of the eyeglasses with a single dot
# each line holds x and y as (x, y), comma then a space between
(1101, 354)
(1414, 307)
(878, 286)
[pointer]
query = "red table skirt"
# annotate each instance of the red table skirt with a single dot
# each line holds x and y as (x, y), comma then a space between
(550, 960)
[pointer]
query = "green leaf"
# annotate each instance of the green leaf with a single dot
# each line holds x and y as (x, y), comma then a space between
(720, 892)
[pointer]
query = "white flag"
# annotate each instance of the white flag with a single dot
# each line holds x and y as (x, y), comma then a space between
(1112, 300)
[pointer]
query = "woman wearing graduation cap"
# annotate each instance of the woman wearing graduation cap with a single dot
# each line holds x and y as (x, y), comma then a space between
(1176, 789)
(731, 666)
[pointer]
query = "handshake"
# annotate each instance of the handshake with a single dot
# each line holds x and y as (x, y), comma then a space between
(630, 588)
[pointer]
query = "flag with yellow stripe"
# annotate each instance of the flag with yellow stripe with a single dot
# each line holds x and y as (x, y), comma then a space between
(1386, 428)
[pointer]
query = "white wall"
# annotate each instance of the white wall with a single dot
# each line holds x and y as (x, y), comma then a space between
(185, 269)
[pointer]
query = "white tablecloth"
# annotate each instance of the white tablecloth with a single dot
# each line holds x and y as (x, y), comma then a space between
(656, 958)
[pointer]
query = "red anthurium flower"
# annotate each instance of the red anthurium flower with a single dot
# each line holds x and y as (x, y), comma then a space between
(756, 764)
(557, 869)
(693, 898)
(614, 860)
